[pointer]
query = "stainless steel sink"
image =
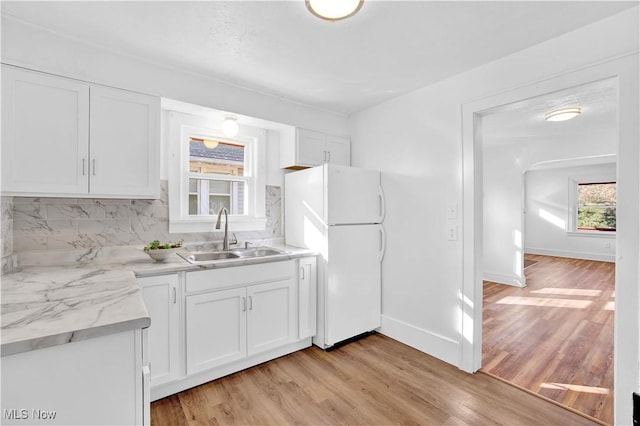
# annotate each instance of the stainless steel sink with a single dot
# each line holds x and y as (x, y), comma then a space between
(256, 252)
(201, 257)
(208, 256)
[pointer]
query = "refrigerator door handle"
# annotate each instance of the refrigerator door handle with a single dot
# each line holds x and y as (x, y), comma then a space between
(381, 204)
(383, 242)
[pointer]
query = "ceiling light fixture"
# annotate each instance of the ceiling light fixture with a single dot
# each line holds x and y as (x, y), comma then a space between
(563, 114)
(211, 144)
(208, 143)
(334, 10)
(230, 127)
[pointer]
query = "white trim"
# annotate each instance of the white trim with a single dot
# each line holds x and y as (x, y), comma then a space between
(572, 254)
(592, 234)
(441, 347)
(512, 280)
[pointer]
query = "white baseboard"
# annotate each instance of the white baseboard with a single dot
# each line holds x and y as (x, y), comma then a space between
(571, 254)
(505, 279)
(441, 347)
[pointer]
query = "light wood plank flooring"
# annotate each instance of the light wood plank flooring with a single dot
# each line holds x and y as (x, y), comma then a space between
(373, 381)
(555, 337)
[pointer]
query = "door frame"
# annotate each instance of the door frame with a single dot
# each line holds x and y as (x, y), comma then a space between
(626, 323)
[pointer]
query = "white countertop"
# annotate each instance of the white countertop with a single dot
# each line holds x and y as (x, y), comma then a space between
(61, 297)
(49, 306)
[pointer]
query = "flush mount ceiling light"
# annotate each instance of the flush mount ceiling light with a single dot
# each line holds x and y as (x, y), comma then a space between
(209, 143)
(230, 127)
(334, 10)
(563, 114)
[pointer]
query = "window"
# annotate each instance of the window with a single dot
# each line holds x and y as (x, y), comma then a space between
(592, 205)
(596, 209)
(216, 177)
(208, 171)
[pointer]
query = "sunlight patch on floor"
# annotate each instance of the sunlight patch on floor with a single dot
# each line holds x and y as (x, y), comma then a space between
(569, 291)
(610, 306)
(546, 302)
(575, 388)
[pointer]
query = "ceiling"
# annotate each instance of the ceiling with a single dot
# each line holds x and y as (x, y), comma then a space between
(277, 47)
(524, 121)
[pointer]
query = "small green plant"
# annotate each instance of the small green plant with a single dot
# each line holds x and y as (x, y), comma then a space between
(157, 245)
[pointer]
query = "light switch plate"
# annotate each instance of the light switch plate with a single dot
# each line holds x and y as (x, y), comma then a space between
(452, 233)
(452, 211)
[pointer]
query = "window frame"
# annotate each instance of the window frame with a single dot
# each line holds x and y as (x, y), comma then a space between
(182, 127)
(574, 182)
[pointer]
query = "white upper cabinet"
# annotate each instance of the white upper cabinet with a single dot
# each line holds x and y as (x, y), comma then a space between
(309, 149)
(45, 133)
(64, 137)
(124, 143)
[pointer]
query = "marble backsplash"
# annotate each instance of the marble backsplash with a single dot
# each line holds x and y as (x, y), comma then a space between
(77, 223)
(6, 234)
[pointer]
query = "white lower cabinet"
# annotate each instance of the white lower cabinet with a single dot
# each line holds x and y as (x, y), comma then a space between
(94, 381)
(216, 328)
(271, 315)
(307, 297)
(161, 296)
(227, 325)
(226, 320)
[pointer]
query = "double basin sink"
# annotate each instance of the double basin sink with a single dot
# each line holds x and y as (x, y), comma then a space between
(203, 257)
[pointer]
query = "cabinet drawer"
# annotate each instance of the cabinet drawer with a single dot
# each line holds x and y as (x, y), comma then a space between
(214, 279)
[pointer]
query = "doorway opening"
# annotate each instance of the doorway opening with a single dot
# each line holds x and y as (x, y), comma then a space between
(548, 327)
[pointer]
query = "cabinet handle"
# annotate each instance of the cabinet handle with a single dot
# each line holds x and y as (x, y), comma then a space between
(329, 156)
(175, 295)
(84, 166)
(244, 304)
(302, 273)
(325, 156)
(250, 303)
(93, 167)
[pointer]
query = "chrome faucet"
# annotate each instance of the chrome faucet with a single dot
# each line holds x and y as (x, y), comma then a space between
(225, 241)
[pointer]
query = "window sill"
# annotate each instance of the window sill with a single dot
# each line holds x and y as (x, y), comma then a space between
(592, 234)
(207, 224)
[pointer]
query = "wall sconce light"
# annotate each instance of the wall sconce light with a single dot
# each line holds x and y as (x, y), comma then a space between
(334, 10)
(230, 127)
(563, 114)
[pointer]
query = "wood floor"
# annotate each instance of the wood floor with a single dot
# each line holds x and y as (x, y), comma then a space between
(555, 336)
(373, 381)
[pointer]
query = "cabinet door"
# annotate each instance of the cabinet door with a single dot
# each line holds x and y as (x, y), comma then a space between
(271, 312)
(216, 329)
(45, 133)
(307, 296)
(311, 148)
(125, 143)
(338, 150)
(160, 295)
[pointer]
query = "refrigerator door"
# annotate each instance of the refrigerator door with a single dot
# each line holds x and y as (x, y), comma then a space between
(352, 196)
(352, 279)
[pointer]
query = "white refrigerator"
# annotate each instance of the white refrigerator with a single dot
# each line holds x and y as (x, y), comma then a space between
(338, 212)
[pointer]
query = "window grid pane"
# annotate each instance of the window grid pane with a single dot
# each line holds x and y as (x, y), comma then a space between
(211, 195)
(596, 210)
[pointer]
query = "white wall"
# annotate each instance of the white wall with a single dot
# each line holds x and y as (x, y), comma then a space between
(503, 190)
(547, 206)
(421, 160)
